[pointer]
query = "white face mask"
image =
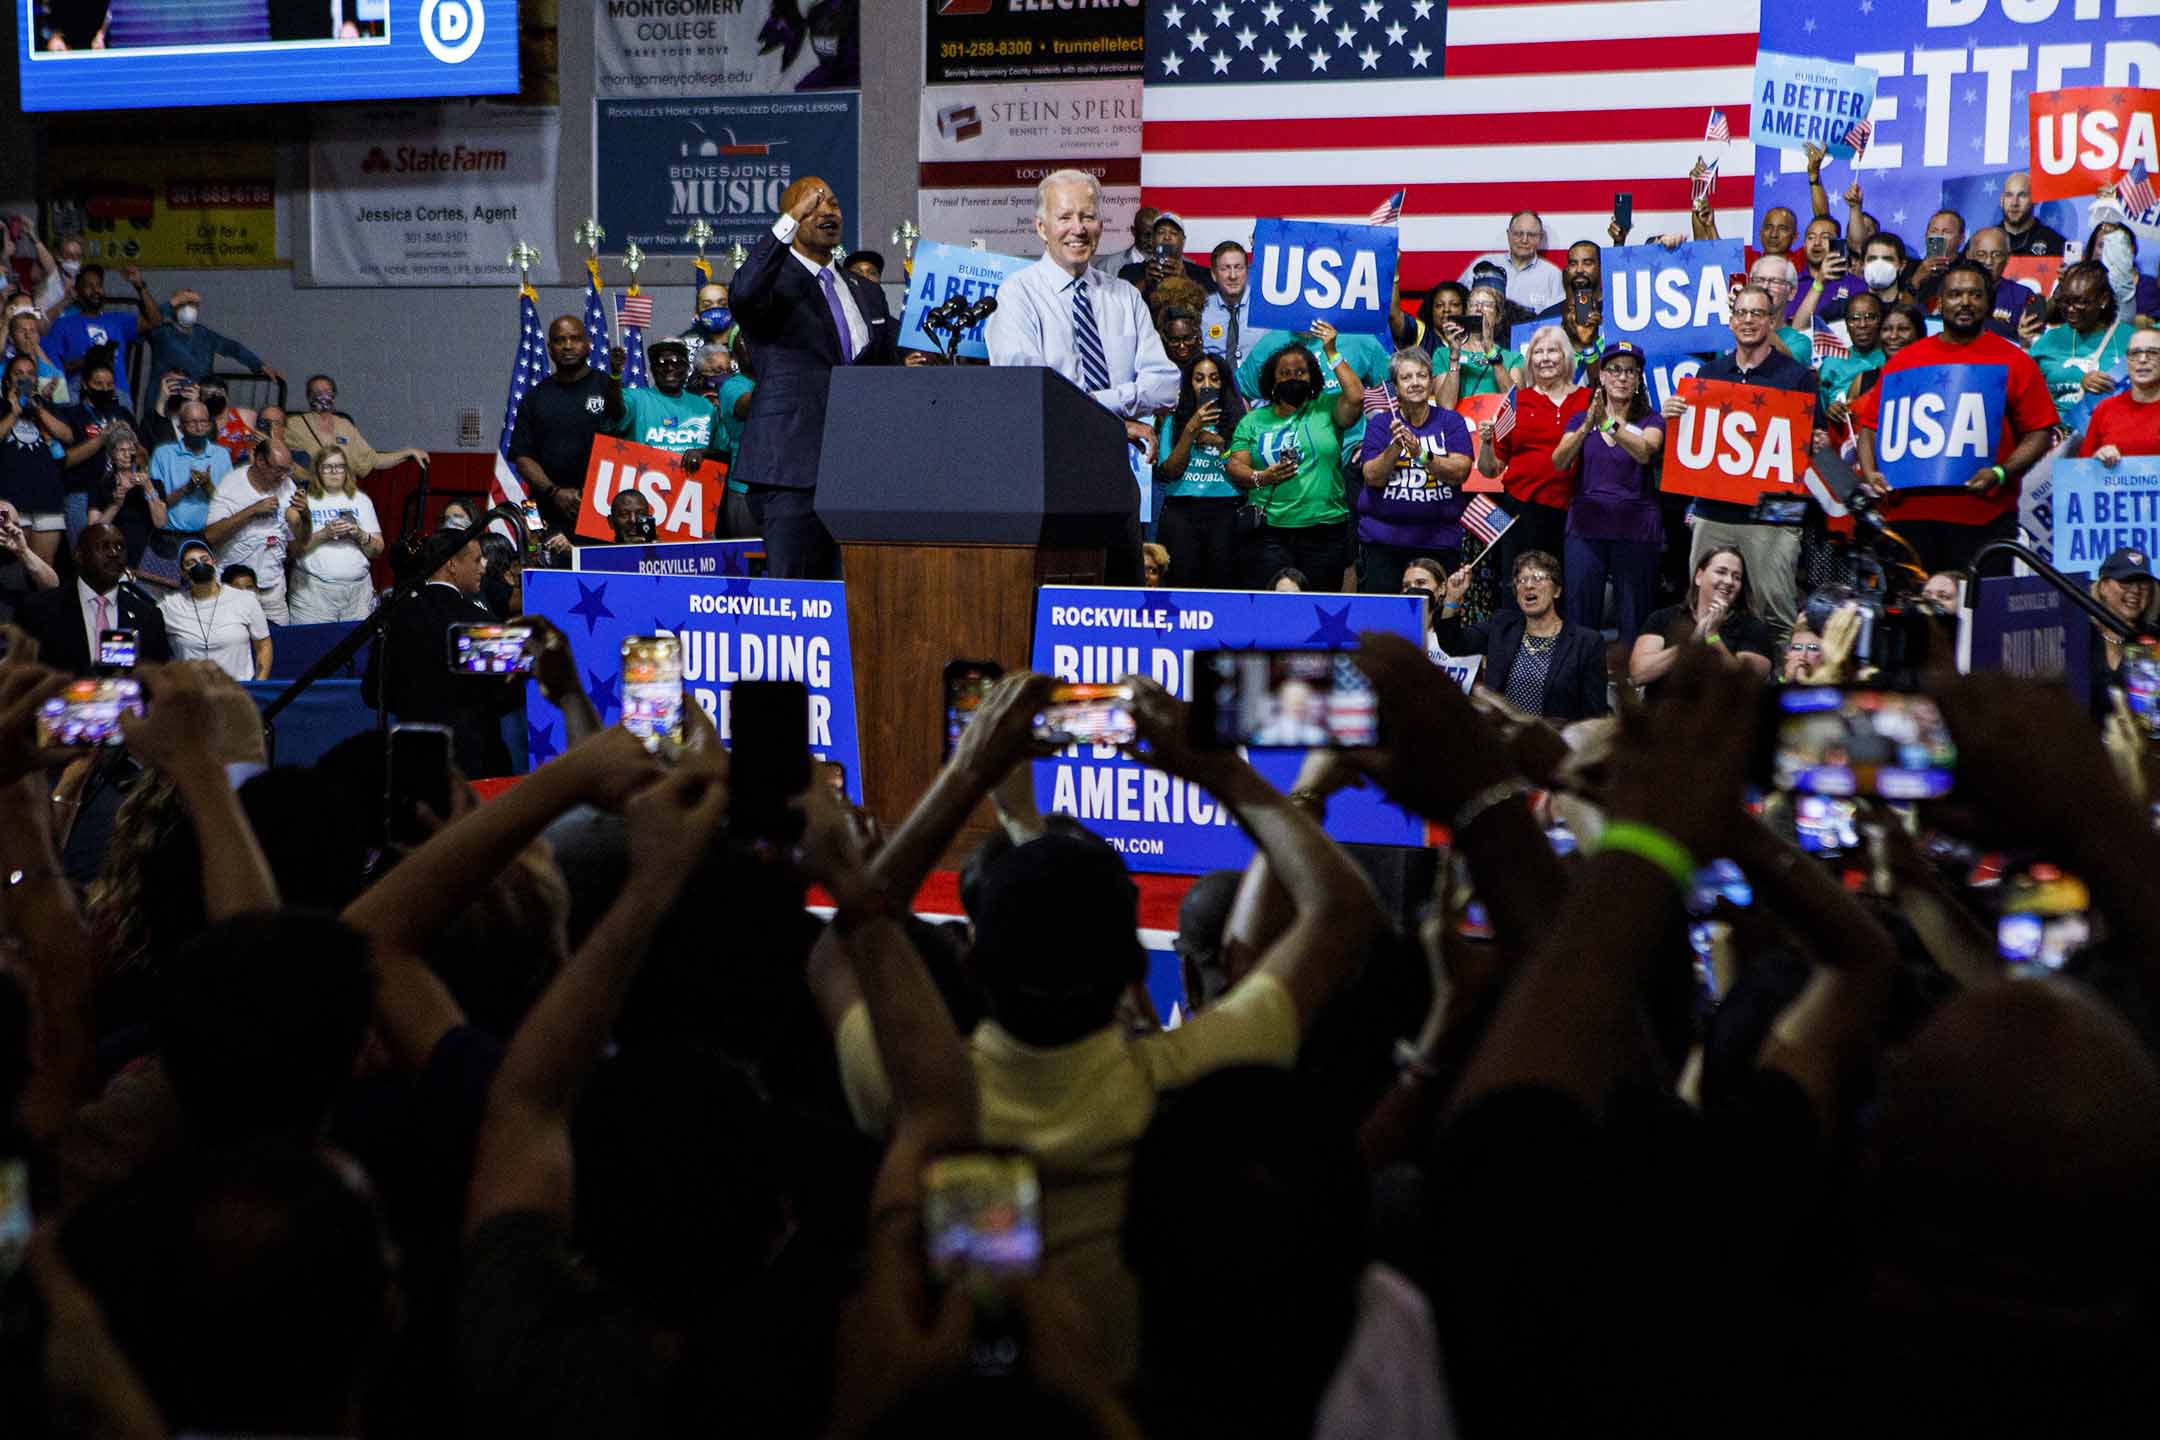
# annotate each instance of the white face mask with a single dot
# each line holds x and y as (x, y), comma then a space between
(71, 268)
(186, 314)
(1879, 274)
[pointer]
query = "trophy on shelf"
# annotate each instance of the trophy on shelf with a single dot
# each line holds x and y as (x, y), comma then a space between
(589, 234)
(633, 259)
(700, 233)
(737, 253)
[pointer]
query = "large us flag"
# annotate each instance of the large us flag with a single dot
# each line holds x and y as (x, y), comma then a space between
(1319, 109)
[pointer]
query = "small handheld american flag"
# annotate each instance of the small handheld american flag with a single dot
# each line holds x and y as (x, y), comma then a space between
(1702, 184)
(1486, 520)
(1720, 132)
(1827, 343)
(633, 309)
(1503, 424)
(1858, 136)
(632, 314)
(1388, 211)
(2135, 190)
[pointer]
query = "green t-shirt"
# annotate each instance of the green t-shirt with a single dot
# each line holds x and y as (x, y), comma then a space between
(1313, 496)
(2065, 357)
(1479, 375)
(666, 422)
(1204, 478)
(725, 399)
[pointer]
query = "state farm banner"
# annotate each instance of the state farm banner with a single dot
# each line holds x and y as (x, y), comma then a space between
(685, 503)
(684, 49)
(1033, 40)
(1738, 442)
(983, 149)
(428, 194)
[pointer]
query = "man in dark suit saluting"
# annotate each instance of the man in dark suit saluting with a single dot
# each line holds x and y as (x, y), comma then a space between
(65, 621)
(804, 315)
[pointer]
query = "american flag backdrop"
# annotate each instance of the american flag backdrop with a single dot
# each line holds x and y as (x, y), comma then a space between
(1306, 109)
(526, 371)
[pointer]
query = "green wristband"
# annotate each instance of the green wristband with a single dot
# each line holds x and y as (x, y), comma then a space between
(2002, 476)
(1647, 842)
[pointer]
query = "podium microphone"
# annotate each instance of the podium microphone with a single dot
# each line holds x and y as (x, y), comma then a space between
(980, 311)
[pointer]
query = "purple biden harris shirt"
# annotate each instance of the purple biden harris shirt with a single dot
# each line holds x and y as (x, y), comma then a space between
(1410, 511)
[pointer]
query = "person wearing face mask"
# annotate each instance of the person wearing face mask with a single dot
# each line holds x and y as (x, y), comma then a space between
(1427, 578)
(53, 277)
(2128, 422)
(2026, 234)
(1288, 452)
(1538, 490)
(1772, 552)
(2076, 354)
(1413, 463)
(1614, 527)
(228, 430)
(1196, 501)
(188, 471)
(185, 344)
(711, 324)
(1882, 268)
(1534, 658)
(92, 323)
(1946, 528)
(1719, 615)
(90, 418)
(210, 620)
(322, 428)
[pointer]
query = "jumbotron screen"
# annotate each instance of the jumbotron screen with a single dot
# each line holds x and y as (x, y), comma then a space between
(151, 54)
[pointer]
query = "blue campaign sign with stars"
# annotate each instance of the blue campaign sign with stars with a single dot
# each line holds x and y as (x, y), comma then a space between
(1305, 271)
(1675, 301)
(731, 628)
(675, 557)
(1161, 824)
(938, 274)
(1939, 424)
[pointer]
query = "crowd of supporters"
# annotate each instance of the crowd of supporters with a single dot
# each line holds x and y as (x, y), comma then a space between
(1651, 1098)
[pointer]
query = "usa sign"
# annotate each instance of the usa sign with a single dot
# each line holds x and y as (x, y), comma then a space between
(1738, 442)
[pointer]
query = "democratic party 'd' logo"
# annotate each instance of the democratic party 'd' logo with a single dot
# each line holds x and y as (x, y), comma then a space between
(451, 29)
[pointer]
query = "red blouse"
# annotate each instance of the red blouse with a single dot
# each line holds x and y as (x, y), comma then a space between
(1527, 450)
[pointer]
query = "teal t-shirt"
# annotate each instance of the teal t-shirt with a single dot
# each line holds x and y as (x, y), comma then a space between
(2065, 358)
(725, 399)
(1314, 495)
(1797, 341)
(1482, 374)
(666, 422)
(1204, 477)
(1840, 373)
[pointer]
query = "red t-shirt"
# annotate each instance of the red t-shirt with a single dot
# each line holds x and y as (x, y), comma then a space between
(2122, 422)
(1526, 450)
(2027, 406)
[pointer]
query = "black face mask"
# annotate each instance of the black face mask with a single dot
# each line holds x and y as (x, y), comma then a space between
(101, 399)
(201, 573)
(215, 404)
(1293, 392)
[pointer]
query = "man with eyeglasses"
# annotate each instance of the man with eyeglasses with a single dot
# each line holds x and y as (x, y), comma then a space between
(1781, 278)
(2128, 422)
(1533, 282)
(255, 518)
(1771, 552)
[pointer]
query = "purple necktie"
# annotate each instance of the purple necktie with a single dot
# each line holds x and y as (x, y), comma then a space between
(839, 315)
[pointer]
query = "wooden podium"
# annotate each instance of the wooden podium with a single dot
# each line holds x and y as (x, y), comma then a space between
(955, 491)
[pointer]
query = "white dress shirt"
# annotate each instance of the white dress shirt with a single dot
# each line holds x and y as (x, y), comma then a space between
(858, 328)
(1033, 325)
(1536, 286)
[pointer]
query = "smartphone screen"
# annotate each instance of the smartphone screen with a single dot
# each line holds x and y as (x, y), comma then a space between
(1582, 309)
(967, 682)
(652, 696)
(490, 649)
(1284, 699)
(1825, 826)
(1087, 715)
(116, 649)
(2045, 918)
(420, 757)
(532, 516)
(769, 754)
(982, 1216)
(2141, 685)
(88, 711)
(1840, 742)
(1720, 880)
(1937, 246)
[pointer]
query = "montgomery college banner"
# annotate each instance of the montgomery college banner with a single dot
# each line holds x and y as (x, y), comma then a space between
(684, 49)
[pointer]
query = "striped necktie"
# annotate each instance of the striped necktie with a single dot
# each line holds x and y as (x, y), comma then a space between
(1087, 340)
